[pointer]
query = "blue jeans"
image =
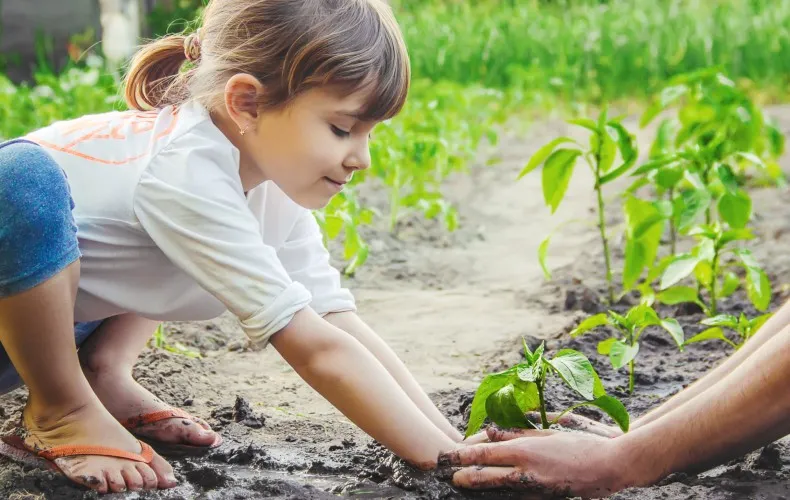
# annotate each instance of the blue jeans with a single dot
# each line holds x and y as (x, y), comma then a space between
(38, 235)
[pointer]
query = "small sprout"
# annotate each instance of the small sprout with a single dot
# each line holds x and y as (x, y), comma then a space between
(507, 396)
(623, 349)
(745, 328)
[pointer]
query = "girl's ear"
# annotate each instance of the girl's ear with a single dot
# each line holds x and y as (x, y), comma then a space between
(241, 101)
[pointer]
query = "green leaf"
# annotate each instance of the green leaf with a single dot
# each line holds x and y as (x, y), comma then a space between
(527, 351)
(729, 285)
(589, 324)
(608, 151)
(586, 123)
(674, 329)
(655, 163)
(727, 177)
(694, 203)
(540, 155)
(751, 157)
(598, 388)
(735, 209)
(709, 334)
(726, 320)
(605, 346)
(679, 268)
(503, 409)
(642, 315)
(744, 234)
(747, 258)
(575, 370)
(758, 288)
(490, 384)
(621, 354)
(614, 408)
(668, 96)
(668, 177)
(635, 262)
(557, 174)
(625, 143)
(678, 295)
(543, 249)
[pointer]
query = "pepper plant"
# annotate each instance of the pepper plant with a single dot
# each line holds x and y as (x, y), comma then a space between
(745, 328)
(714, 272)
(623, 348)
(607, 137)
(507, 396)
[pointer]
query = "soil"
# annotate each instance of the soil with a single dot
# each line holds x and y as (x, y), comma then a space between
(454, 306)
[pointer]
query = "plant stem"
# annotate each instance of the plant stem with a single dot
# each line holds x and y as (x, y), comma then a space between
(705, 178)
(602, 227)
(543, 418)
(673, 231)
(631, 377)
(715, 271)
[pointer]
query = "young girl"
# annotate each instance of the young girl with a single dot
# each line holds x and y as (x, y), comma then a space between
(196, 203)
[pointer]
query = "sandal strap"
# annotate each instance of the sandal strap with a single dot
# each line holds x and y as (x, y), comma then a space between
(150, 418)
(145, 456)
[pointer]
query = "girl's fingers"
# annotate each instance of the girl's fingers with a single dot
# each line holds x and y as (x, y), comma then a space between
(496, 434)
(480, 437)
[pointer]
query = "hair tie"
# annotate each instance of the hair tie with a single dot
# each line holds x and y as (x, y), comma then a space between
(192, 46)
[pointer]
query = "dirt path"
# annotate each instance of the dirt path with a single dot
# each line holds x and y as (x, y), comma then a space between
(451, 305)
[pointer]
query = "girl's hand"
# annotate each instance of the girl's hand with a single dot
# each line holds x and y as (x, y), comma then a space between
(574, 422)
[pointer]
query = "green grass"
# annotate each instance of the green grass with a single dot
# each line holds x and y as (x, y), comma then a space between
(593, 49)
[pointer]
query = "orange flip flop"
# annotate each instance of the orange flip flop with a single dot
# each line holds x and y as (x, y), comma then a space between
(15, 448)
(164, 448)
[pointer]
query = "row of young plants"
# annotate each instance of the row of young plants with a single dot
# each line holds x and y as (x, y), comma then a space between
(593, 50)
(687, 212)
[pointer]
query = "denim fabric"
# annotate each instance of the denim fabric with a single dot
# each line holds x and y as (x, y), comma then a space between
(38, 235)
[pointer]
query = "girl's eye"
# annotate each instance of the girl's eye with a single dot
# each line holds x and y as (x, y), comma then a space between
(340, 132)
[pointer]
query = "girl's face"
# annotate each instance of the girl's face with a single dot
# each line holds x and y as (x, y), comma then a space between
(310, 149)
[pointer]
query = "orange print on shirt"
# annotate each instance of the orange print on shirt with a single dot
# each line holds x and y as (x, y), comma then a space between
(103, 128)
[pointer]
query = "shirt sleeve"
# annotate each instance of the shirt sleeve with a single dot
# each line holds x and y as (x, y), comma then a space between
(191, 203)
(307, 261)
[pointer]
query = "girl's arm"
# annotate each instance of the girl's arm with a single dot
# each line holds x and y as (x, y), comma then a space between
(353, 324)
(347, 374)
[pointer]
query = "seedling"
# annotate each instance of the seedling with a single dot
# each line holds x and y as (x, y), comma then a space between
(714, 275)
(744, 327)
(607, 137)
(159, 341)
(622, 350)
(506, 397)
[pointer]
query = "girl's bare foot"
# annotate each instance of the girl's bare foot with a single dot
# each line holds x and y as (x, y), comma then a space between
(91, 425)
(124, 398)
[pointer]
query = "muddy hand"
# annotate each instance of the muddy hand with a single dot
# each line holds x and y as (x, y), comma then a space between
(576, 422)
(540, 462)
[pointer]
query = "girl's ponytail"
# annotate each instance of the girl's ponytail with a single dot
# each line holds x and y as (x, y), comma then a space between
(154, 79)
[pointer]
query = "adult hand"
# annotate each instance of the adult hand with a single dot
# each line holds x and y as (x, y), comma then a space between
(541, 462)
(578, 423)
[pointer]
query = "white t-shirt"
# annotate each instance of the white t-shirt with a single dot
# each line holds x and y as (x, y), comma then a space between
(166, 231)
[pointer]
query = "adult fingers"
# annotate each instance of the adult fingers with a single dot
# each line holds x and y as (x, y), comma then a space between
(505, 453)
(486, 477)
(480, 437)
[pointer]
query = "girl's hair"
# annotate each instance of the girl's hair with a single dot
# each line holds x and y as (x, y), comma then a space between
(290, 46)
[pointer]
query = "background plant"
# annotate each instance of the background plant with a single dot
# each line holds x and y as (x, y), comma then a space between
(606, 138)
(711, 265)
(623, 349)
(507, 396)
(745, 328)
